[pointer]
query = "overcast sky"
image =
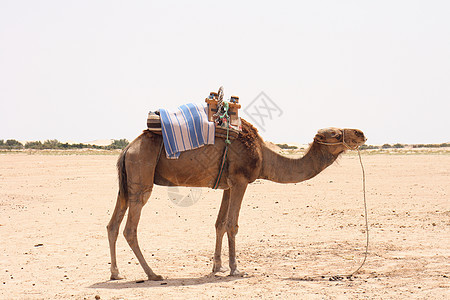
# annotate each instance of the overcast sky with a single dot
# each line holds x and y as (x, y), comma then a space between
(86, 70)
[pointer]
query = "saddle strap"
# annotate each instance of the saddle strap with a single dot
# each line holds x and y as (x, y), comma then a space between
(222, 165)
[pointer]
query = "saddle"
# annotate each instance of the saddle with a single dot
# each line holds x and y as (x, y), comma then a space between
(154, 125)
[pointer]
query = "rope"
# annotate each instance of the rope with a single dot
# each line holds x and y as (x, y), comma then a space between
(337, 277)
(365, 214)
(339, 143)
(222, 165)
(222, 106)
(160, 150)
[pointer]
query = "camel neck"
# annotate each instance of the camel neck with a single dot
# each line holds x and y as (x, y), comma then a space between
(282, 169)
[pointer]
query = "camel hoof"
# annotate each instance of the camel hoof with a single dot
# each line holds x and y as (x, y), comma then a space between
(237, 273)
(116, 277)
(219, 269)
(155, 278)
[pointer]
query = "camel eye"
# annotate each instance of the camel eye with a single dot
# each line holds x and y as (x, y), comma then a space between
(338, 136)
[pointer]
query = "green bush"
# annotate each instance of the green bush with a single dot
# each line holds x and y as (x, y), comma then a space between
(367, 147)
(11, 144)
(431, 145)
(118, 144)
(34, 145)
(55, 144)
(51, 144)
(286, 146)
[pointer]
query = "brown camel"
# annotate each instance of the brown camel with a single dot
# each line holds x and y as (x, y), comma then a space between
(143, 163)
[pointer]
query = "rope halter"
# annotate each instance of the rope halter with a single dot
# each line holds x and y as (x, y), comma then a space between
(339, 143)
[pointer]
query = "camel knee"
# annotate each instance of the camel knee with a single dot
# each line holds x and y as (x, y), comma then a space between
(232, 228)
(140, 194)
(112, 228)
(220, 225)
(130, 235)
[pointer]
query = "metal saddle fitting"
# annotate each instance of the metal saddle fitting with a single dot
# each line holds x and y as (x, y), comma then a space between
(213, 102)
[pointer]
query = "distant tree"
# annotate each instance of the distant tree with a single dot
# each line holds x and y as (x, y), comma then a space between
(286, 146)
(78, 146)
(51, 144)
(118, 144)
(398, 145)
(386, 146)
(367, 147)
(2, 143)
(64, 146)
(34, 145)
(13, 144)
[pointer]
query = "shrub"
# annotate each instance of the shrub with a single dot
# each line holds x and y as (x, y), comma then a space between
(367, 147)
(118, 144)
(12, 144)
(34, 145)
(286, 146)
(51, 144)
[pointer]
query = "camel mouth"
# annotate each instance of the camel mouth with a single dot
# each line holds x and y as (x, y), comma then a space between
(355, 138)
(356, 143)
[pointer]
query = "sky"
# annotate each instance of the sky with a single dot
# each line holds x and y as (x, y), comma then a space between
(87, 70)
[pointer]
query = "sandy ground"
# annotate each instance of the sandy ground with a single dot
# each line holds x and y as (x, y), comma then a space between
(292, 238)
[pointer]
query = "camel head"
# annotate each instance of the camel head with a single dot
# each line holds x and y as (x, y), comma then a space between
(338, 140)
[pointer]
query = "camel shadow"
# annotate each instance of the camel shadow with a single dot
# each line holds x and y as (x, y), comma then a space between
(169, 282)
(322, 278)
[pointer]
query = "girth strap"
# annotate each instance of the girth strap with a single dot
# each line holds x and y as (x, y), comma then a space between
(222, 165)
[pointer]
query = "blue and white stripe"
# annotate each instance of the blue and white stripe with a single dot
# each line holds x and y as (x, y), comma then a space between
(186, 128)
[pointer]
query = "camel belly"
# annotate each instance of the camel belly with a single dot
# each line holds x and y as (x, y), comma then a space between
(196, 168)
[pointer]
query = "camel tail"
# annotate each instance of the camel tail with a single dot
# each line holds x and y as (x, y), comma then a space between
(122, 172)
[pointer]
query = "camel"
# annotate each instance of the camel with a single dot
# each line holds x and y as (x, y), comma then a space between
(143, 163)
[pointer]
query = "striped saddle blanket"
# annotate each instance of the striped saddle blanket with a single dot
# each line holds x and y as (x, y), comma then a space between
(186, 128)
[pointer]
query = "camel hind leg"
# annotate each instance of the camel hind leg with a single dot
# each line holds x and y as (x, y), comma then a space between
(136, 203)
(141, 161)
(136, 166)
(113, 231)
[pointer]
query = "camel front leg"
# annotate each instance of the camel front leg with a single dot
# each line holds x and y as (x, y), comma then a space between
(130, 232)
(220, 231)
(237, 194)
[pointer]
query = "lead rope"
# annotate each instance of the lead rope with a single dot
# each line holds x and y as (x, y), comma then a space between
(365, 214)
(365, 204)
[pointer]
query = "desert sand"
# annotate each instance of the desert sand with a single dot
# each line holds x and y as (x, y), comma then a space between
(292, 238)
